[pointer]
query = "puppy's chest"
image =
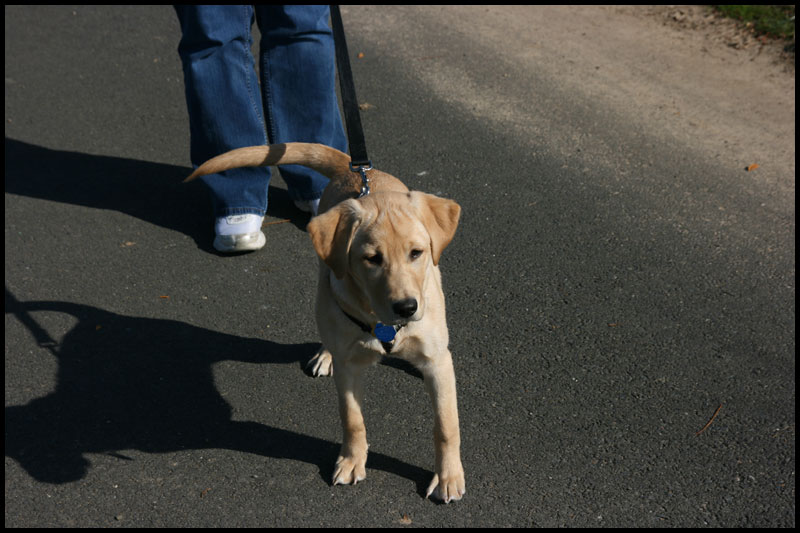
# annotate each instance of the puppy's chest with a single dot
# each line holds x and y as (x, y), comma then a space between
(407, 345)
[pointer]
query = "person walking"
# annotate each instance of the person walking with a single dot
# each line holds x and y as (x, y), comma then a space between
(295, 101)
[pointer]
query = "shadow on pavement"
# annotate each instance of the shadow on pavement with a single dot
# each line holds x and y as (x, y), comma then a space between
(146, 384)
(153, 192)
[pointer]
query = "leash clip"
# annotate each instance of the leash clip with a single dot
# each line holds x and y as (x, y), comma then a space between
(362, 169)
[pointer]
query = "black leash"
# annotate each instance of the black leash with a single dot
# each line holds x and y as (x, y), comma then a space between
(359, 162)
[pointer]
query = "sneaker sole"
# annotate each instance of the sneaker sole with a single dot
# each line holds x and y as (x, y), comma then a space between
(244, 242)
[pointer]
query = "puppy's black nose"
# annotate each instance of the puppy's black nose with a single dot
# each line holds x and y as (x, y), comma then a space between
(405, 308)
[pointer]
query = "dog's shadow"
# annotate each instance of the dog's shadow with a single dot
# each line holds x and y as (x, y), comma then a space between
(153, 192)
(130, 383)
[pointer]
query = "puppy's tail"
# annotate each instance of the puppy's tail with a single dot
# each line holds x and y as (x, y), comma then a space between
(328, 161)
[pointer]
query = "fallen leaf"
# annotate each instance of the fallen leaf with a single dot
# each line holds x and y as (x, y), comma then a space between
(405, 520)
(128, 243)
(164, 297)
(752, 167)
(360, 55)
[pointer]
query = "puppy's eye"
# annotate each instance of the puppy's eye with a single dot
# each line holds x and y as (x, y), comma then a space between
(374, 259)
(415, 254)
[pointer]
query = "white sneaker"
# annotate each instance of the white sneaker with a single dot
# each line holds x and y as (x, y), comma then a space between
(239, 233)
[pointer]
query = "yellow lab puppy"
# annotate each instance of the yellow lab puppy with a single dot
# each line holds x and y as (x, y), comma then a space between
(379, 292)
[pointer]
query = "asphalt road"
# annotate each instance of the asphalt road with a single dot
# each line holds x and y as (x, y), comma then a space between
(607, 291)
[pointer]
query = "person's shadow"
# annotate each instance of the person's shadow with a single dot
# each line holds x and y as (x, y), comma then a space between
(146, 384)
(153, 192)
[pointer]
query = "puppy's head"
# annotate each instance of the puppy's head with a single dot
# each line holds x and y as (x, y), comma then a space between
(387, 243)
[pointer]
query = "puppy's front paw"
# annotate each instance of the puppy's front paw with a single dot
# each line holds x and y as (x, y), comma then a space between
(321, 364)
(447, 486)
(350, 470)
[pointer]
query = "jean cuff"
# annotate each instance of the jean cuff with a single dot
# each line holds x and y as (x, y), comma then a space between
(230, 211)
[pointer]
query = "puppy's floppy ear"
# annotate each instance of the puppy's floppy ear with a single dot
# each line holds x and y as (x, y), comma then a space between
(332, 232)
(440, 217)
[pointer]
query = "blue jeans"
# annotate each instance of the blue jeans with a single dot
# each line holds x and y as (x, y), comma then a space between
(296, 100)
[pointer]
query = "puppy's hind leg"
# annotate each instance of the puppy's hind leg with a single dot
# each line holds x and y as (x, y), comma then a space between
(321, 364)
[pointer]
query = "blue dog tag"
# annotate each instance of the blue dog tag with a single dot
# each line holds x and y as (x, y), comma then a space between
(384, 333)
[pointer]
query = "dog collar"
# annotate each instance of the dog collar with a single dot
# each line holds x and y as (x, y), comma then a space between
(382, 332)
